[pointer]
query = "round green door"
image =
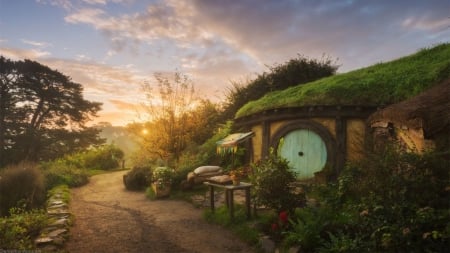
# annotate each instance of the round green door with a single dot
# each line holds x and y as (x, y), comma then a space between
(305, 151)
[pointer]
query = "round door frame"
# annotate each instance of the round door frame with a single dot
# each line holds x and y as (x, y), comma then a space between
(317, 128)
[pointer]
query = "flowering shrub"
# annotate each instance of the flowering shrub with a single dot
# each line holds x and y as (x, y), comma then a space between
(280, 226)
(162, 176)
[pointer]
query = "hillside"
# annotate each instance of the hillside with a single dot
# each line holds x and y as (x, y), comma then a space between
(379, 84)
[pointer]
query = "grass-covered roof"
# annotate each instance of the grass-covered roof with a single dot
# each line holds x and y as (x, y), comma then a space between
(379, 84)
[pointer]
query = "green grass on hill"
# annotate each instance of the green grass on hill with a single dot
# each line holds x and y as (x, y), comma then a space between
(380, 84)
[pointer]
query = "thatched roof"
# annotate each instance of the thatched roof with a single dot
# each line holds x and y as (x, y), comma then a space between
(429, 111)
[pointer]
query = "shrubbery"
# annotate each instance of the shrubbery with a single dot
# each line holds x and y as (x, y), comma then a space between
(18, 230)
(59, 172)
(272, 180)
(389, 202)
(105, 158)
(138, 178)
(21, 185)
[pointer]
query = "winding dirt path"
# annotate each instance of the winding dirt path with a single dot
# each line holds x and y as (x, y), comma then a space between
(110, 219)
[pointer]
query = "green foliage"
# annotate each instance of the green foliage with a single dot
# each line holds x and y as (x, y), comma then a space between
(138, 178)
(240, 225)
(105, 157)
(296, 71)
(21, 185)
(37, 107)
(205, 154)
(271, 179)
(18, 230)
(380, 84)
(162, 176)
(59, 172)
(389, 202)
(62, 191)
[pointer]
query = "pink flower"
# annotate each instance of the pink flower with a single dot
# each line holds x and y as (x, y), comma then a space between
(284, 217)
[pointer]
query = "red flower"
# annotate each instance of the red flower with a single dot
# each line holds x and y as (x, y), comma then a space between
(274, 226)
(283, 217)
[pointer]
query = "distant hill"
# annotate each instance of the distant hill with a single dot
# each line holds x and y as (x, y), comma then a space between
(377, 85)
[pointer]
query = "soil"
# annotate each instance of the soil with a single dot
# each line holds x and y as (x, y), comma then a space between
(108, 218)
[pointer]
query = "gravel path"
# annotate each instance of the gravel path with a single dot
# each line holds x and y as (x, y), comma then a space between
(110, 219)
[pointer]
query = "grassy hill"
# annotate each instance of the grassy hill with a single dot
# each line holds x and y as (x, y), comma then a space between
(380, 84)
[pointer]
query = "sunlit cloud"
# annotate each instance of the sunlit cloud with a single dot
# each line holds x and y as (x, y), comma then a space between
(123, 105)
(82, 57)
(19, 54)
(36, 43)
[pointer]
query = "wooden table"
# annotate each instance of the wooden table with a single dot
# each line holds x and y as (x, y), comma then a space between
(229, 198)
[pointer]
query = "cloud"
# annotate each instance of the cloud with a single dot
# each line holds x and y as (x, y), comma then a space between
(124, 105)
(65, 4)
(278, 30)
(19, 54)
(93, 2)
(36, 43)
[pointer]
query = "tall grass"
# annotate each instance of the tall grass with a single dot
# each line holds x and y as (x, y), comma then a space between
(21, 185)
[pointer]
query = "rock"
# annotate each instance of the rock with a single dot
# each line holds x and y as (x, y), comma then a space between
(58, 211)
(60, 222)
(56, 202)
(57, 232)
(43, 240)
(57, 206)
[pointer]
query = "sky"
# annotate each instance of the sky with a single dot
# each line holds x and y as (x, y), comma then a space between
(113, 47)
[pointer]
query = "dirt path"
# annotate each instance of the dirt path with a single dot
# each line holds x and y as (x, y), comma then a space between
(110, 219)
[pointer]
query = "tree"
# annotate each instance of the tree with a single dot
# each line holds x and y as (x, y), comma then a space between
(294, 72)
(42, 113)
(168, 112)
(177, 120)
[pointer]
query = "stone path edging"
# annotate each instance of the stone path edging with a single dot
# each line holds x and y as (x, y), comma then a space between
(53, 237)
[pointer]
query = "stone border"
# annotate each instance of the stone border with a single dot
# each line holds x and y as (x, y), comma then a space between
(53, 237)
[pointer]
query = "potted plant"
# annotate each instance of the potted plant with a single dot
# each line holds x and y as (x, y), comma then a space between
(236, 175)
(162, 181)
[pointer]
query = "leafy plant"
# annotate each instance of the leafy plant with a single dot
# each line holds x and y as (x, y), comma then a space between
(58, 172)
(18, 230)
(138, 178)
(162, 176)
(271, 179)
(105, 157)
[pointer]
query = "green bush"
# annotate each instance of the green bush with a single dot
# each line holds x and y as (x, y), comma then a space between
(21, 185)
(59, 172)
(106, 157)
(138, 178)
(271, 179)
(18, 230)
(388, 202)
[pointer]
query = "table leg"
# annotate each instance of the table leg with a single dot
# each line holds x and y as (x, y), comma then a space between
(211, 197)
(231, 197)
(227, 198)
(247, 202)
